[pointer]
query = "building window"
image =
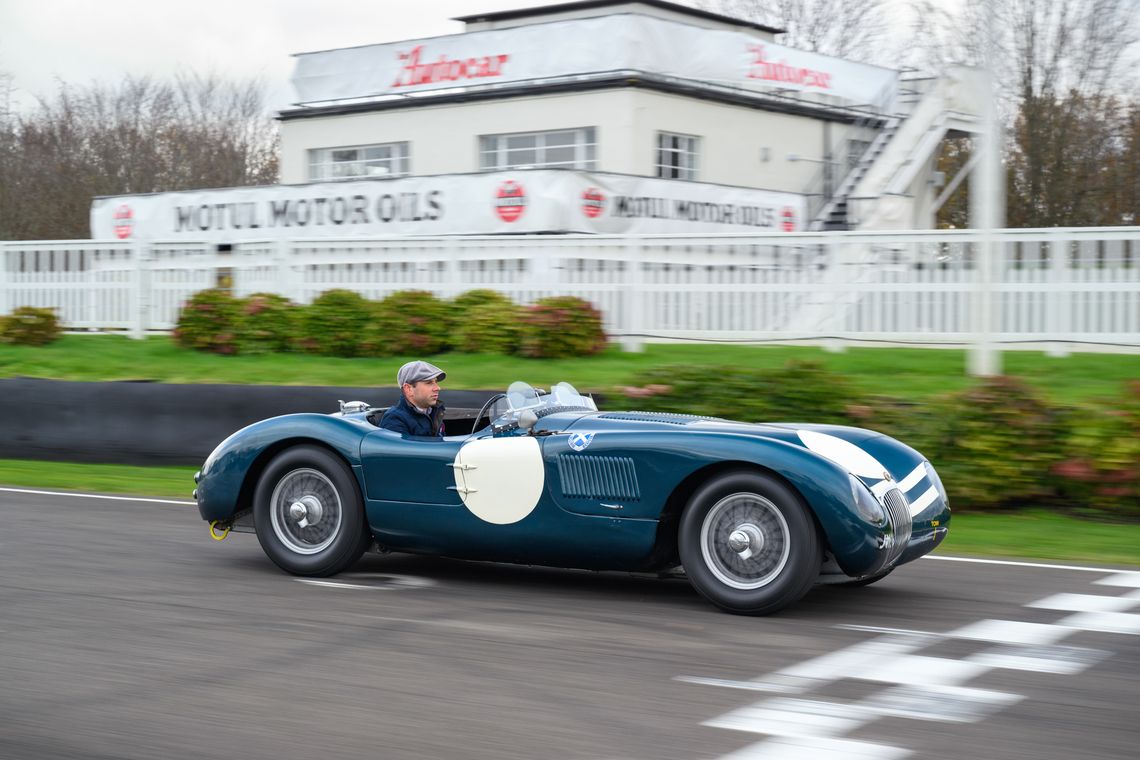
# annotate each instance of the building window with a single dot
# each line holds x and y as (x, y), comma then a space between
(565, 148)
(384, 160)
(676, 156)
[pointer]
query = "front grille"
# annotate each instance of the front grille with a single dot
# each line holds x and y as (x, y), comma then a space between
(898, 512)
(590, 477)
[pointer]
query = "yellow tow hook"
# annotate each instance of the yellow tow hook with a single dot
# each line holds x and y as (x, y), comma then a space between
(225, 533)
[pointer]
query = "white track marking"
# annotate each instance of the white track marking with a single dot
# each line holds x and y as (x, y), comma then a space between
(1085, 603)
(919, 670)
(1103, 622)
(793, 717)
(338, 584)
(1010, 632)
(817, 748)
(945, 704)
(1061, 660)
(1127, 580)
(383, 582)
(79, 495)
(1046, 566)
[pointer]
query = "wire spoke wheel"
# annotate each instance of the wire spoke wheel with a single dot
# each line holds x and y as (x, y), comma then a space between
(745, 541)
(306, 511)
(748, 543)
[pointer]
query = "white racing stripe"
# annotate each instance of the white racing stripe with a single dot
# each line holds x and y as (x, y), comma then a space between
(924, 501)
(916, 475)
(79, 495)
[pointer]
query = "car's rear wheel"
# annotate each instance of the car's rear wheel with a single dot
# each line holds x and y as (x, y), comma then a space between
(308, 513)
(749, 544)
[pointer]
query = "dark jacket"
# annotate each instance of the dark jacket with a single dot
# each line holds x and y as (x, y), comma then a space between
(405, 418)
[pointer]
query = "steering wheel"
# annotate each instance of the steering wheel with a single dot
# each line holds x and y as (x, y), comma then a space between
(484, 410)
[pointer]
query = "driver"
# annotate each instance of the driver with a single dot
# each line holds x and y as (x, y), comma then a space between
(420, 411)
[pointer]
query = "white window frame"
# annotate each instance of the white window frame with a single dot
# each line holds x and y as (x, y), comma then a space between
(677, 156)
(502, 152)
(376, 160)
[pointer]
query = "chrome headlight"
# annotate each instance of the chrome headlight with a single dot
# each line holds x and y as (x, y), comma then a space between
(937, 481)
(866, 505)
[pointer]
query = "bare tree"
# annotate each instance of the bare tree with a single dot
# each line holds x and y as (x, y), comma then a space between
(854, 29)
(138, 136)
(1064, 92)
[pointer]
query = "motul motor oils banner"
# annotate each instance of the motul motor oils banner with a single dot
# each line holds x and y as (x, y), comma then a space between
(530, 201)
(621, 42)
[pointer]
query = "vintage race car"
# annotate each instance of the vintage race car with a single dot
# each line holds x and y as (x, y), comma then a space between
(752, 514)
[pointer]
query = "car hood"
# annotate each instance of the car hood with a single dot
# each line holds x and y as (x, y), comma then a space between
(867, 454)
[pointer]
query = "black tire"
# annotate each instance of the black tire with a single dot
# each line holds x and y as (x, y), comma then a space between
(308, 513)
(749, 544)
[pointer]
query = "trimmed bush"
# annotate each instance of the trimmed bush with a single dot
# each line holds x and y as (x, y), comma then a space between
(30, 326)
(335, 324)
(209, 322)
(1101, 469)
(800, 391)
(410, 323)
(269, 323)
(994, 444)
(490, 328)
(561, 326)
(465, 302)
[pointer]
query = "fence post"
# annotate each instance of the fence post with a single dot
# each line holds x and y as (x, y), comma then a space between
(833, 343)
(984, 359)
(632, 304)
(1058, 320)
(5, 306)
(137, 295)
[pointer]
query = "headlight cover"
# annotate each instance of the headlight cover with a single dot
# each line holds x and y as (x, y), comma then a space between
(866, 505)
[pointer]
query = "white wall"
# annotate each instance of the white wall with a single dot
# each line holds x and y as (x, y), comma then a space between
(444, 138)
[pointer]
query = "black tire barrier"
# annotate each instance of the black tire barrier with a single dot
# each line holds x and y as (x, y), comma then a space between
(144, 423)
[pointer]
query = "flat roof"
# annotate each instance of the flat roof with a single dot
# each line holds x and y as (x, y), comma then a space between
(538, 11)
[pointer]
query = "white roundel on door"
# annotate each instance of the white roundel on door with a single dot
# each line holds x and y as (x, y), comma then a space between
(500, 479)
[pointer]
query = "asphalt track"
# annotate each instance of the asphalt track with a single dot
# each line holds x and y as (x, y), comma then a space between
(125, 632)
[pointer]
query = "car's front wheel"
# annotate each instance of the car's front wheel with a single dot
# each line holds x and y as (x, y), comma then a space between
(308, 513)
(749, 544)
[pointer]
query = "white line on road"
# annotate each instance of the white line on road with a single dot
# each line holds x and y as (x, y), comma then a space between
(97, 496)
(1019, 564)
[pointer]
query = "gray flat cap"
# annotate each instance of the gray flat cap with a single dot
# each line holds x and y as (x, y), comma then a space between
(414, 372)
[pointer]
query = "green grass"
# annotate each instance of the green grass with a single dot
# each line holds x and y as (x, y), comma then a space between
(912, 374)
(1029, 535)
(1038, 534)
(173, 482)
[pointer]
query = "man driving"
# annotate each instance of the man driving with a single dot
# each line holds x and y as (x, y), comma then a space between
(419, 411)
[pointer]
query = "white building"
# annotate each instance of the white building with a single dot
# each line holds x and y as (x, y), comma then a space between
(607, 116)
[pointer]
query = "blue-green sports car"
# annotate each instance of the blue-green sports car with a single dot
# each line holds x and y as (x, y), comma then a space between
(755, 514)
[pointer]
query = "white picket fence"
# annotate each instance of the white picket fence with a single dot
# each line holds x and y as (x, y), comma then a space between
(1047, 287)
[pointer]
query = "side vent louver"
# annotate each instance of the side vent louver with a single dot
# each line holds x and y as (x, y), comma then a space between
(589, 477)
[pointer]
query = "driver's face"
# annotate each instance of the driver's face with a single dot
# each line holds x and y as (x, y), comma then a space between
(424, 394)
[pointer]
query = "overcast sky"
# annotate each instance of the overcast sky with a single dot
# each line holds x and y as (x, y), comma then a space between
(81, 41)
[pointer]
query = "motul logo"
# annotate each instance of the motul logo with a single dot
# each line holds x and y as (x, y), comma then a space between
(510, 201)
(593, 202)
(788, 219)
(124, 222)
(780, 71)
(442, 70)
